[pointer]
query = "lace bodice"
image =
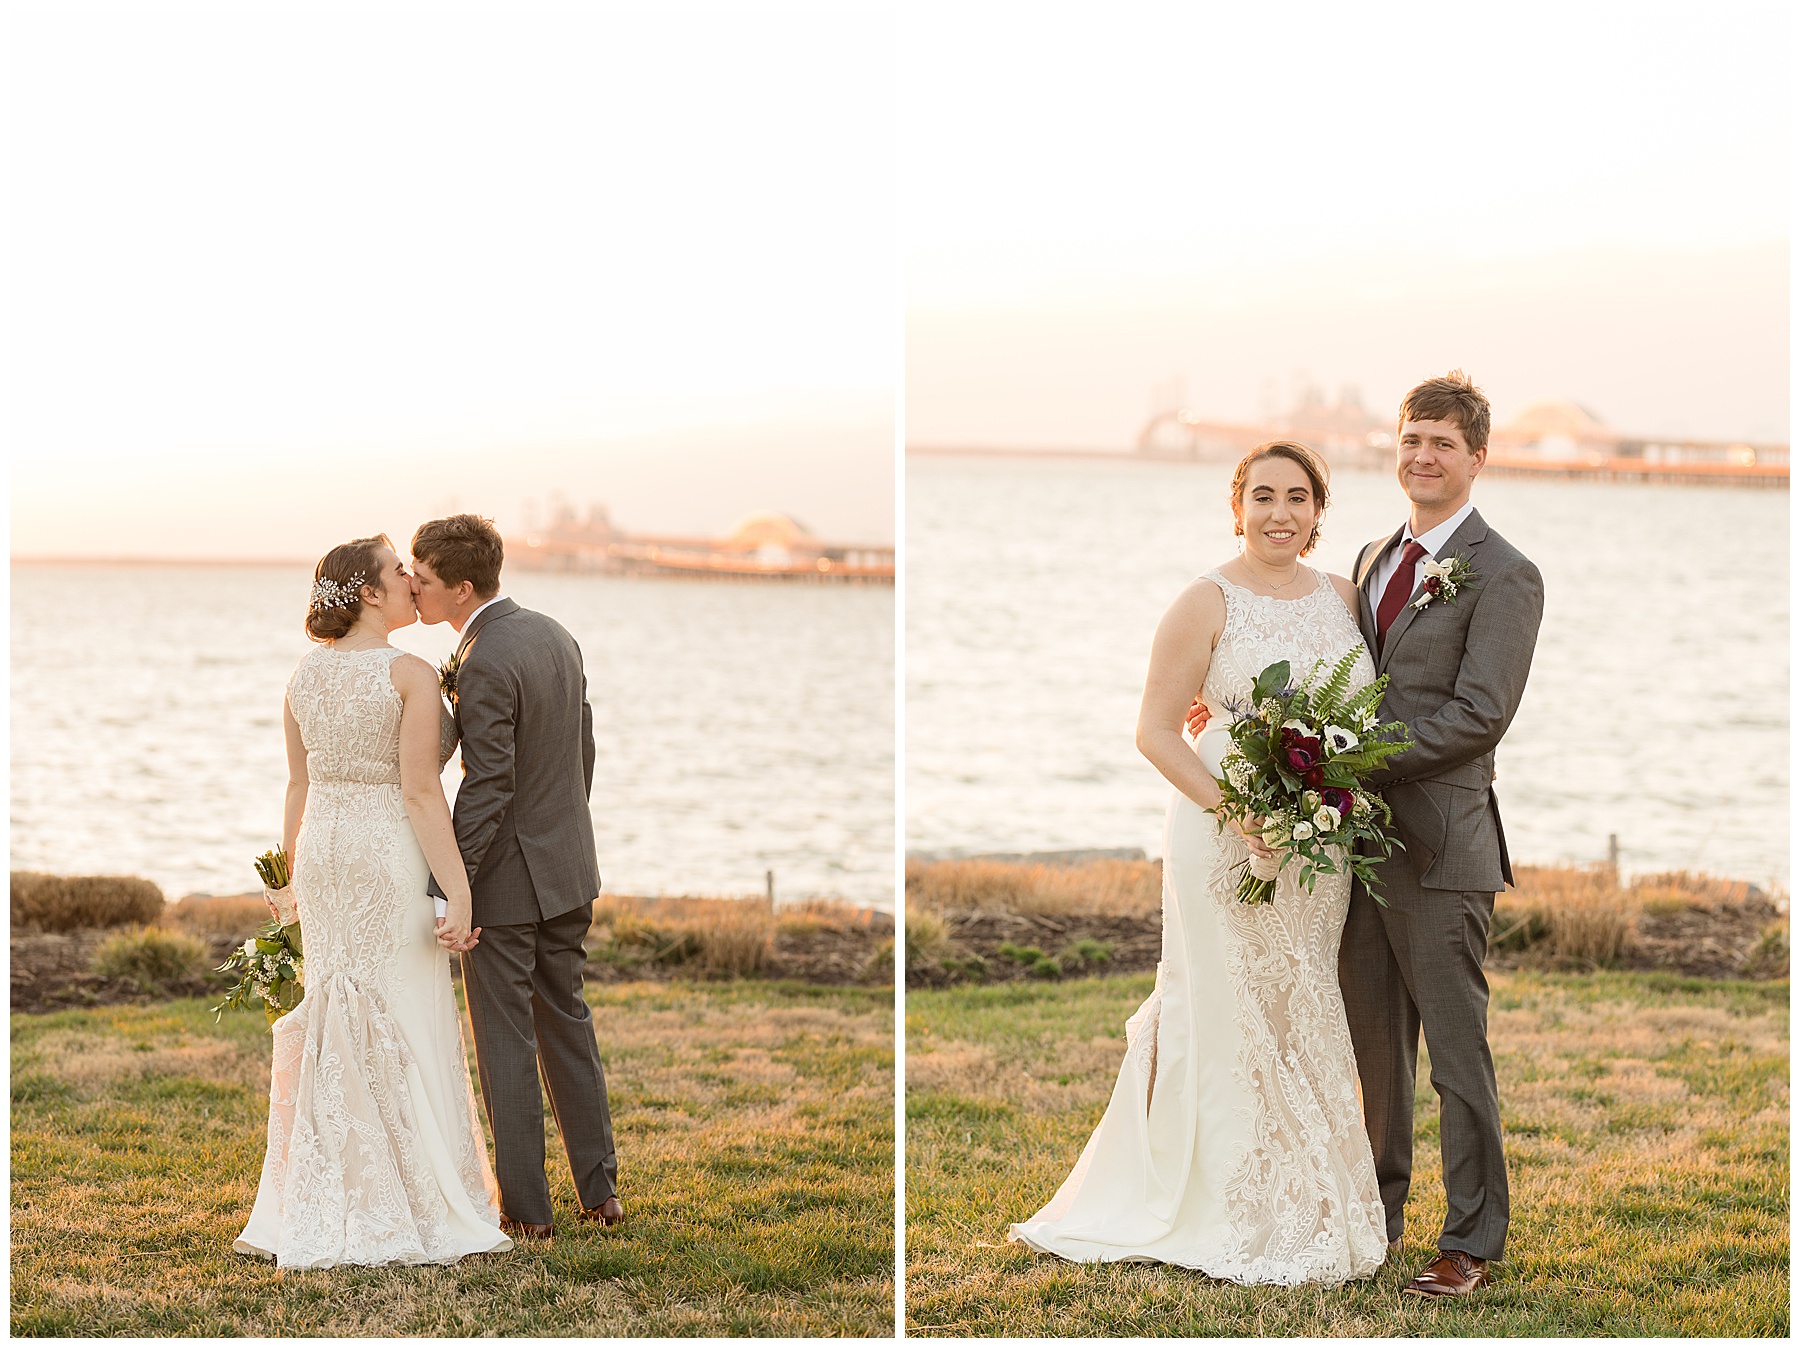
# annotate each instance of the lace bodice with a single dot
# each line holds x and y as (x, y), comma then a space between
(1260, 630)
(348, 711)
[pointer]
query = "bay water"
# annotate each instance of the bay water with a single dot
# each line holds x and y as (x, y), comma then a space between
(1657, 708)
(740, 728)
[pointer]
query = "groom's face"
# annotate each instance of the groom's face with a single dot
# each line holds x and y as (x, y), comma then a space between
(436, 602)
(1436, 466)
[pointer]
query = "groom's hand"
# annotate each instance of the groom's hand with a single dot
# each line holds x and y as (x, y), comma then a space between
(1197, 717)
(456, 942)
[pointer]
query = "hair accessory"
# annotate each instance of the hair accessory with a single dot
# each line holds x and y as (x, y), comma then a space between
(328, 593)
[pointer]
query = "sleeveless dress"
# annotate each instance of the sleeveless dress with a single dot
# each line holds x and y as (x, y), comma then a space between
(1234, 1143)
(374, 1154)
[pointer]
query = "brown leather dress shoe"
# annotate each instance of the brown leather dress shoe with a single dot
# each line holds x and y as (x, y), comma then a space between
(1451, 1274)
(609, 1213)
(526, 1230)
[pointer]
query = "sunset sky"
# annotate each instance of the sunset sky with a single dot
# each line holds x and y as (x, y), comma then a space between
(1582, 202)
(289, 275)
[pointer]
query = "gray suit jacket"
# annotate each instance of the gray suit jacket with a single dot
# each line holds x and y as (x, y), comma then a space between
(1456, 671)
(522, 820)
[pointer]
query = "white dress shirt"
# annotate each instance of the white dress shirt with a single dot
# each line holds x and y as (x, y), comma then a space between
(1432, 540)
(469, 621)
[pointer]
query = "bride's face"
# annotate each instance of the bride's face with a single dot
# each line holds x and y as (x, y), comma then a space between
(1278, 510)
(396, 599)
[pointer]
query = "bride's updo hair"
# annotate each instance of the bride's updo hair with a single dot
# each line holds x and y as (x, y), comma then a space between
(338, 582)
(1313, 466)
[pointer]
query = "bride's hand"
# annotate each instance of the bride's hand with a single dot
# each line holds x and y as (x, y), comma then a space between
(454, 930)
(1250, 830)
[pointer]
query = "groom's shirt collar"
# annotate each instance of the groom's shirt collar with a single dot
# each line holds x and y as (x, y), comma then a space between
(1433, 540)
(469, 621)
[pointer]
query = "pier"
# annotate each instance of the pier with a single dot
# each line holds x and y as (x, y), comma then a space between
(1556, 439)
(764, 546)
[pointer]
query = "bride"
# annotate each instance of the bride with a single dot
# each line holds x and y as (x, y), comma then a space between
(374, 1155)
(1234, 1143)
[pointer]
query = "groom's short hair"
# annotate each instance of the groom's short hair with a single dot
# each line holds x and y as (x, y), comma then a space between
(459, 548)
(1453, 398)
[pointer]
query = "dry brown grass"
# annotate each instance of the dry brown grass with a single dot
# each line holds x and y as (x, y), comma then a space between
(822, 915)
(715, 936)
(1578, 915)
(1683, 889)
(1104, 885)
(70, 902)
(234, 915)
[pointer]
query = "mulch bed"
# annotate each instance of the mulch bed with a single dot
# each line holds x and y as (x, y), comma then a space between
(51, 970)
(1718, 940)
(822, 955)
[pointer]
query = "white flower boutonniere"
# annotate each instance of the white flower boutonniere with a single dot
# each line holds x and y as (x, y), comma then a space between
(1444, 580)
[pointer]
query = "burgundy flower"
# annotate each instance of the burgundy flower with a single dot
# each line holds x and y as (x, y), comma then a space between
(1303, 752)
(1314, 779)
(1338, 798)
(1433, 585)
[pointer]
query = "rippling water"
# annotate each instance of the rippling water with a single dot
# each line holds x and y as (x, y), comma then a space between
(740, 728)
(1657, 707)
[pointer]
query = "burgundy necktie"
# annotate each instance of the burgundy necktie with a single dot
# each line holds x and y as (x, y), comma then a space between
(1399, 587)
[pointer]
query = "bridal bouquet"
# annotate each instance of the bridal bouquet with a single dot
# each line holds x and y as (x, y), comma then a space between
(271, 964)
(1299, 756)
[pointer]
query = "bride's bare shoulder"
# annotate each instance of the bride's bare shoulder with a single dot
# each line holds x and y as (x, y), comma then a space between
(410, 673)
(1200, 605)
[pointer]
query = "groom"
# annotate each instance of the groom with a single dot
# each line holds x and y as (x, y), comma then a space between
(1456, 667)
(527, 840)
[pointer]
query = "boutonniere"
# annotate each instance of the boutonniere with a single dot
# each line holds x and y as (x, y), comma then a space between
(447, 673)
(1443, 580)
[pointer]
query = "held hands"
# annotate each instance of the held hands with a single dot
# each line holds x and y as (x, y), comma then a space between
(454, 932)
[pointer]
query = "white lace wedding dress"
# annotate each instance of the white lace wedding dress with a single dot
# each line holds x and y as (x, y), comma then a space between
(1234, 1143)
(374, 1152)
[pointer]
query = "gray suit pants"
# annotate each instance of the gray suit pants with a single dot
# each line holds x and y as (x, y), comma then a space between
(524, 989)
(1418, 962)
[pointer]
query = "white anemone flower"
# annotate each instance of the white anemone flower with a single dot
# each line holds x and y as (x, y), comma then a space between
(1341, 740)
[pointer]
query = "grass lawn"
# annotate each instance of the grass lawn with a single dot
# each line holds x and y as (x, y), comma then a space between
(755, 1133)
(1646, 1123)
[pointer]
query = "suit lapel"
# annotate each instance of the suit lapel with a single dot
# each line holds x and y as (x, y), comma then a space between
(1471, 531)
(498, 609)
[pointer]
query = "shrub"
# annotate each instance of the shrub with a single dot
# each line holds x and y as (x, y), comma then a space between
(880, 968)
(1086, 950)
(1036, 962)
(68, 903)
(156, 959)
(927, 938)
